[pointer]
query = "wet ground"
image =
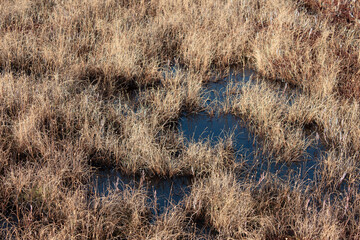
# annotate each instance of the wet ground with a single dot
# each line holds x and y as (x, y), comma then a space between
(202, 126)
(165, 192)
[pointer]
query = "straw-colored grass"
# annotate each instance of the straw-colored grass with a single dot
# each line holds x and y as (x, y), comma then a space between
(87, 85)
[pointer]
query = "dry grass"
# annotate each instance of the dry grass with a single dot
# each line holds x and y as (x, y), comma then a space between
(102, 84)
(338, 11)
(267, 111)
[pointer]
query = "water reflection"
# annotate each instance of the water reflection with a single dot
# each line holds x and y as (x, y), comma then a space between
(164, 191)
(197, 127)
(216, 89)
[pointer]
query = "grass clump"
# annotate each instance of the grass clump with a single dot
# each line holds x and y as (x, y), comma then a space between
(267, 112)
(91, 85)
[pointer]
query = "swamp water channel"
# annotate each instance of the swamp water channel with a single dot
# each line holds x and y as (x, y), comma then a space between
(202, 127)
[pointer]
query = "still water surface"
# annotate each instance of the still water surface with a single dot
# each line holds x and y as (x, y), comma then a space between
(202, 126)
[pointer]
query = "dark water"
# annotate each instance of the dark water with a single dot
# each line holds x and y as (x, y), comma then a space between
(164, 191)
(202, 126)
(199, 127)
(216, 90)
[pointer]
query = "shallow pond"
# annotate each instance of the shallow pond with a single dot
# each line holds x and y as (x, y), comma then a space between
(164, 191)
(197, 127)
(202, 126)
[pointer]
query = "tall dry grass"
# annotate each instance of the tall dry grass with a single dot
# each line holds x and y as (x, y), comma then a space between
(94, 84)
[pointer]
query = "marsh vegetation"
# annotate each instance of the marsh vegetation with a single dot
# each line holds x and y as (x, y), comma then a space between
(90, 88)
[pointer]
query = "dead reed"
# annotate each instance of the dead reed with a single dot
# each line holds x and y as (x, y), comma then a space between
(102, 84)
